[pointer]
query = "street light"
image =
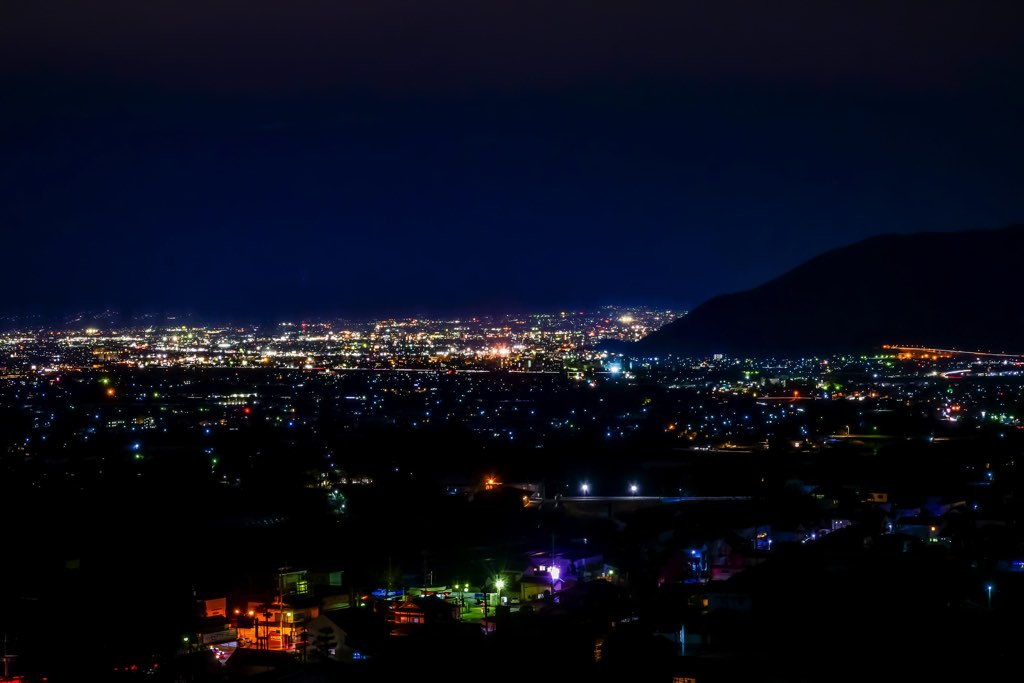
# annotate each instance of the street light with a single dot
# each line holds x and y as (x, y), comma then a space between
(633, 489)
(585, 488)
(498, 585)
(988, 590)
(252, 620)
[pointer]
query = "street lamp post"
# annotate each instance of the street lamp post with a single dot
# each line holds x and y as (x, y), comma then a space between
(8, 658)
(498, 584)
(254, 623)
(988, 591)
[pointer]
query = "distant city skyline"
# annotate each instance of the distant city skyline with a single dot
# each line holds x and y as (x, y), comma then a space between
(107, 319)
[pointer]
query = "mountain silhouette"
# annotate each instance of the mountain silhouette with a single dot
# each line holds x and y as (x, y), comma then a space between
(952, 290)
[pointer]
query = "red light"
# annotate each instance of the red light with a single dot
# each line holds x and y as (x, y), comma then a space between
(247, 410)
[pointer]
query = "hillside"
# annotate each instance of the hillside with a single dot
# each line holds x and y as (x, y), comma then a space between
(942, 289)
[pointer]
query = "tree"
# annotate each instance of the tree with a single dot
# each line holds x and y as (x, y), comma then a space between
(323, 643)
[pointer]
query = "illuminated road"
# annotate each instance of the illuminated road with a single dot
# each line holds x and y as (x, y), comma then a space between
(957, 352)
(611, 506)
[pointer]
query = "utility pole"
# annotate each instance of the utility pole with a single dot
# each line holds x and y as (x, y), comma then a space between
(266, 629)
(551, 567)
(7, 660)
(280, 604)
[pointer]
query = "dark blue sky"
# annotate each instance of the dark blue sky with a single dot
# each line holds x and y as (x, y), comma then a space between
(286, 159)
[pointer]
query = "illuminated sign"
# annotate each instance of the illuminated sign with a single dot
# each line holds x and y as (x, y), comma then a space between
(225, 636)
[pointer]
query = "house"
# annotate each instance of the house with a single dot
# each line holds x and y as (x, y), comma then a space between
(273, 609)
(416, 612)
(361, 634)
(407, 612)
(530, 587)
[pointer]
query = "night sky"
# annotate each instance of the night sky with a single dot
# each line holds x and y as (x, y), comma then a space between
(311, 157)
